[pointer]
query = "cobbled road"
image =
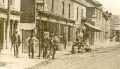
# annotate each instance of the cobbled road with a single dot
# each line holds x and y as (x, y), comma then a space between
(107, 58)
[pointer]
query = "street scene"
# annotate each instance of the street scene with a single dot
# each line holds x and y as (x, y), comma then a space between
(59, 34)
(100, 59)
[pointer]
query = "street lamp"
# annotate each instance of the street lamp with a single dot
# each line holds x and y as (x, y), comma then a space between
(39, 7)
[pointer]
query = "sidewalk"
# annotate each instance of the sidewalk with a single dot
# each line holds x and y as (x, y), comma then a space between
(105, 45)
(10, 62)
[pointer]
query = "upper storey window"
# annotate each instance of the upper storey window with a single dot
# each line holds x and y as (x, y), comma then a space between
(2, 3)
(12, 2)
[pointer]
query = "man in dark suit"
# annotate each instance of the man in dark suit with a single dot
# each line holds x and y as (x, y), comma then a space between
(16, 42)
(31, 44)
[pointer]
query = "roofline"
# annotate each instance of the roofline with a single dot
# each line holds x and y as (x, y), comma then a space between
(94, 2)
(77, 1)
(96, 5)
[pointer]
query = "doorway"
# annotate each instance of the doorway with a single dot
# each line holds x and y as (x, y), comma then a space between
(1, 33)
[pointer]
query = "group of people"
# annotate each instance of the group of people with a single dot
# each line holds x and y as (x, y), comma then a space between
(48, 45)
(81, 45)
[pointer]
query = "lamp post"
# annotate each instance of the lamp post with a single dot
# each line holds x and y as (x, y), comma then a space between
(40, 28)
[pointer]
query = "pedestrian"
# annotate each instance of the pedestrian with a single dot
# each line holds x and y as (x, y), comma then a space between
(16, 42)
(46, 45)
(51, 49)
(31, 44)
(55, 42)
(81, 45)
(75, 44)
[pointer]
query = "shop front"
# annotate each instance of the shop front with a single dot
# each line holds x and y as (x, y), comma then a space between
(52, 23)
(52, 27)
(25, 30)
(90, 32)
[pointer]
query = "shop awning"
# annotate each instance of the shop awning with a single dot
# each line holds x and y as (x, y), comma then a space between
(115, 27)
(27, 26)
(92, 27)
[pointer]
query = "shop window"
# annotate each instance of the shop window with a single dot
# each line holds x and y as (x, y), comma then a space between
(16, 25)
(82, 12)
(39, 7)
(1, 32)
(77, 13)
(63, 4)
(11, 28)
(69, 34)
(2, 3)
(69, 11)
(12, 2)
(52, 6)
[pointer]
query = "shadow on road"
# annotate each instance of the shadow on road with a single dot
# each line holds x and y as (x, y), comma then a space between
(106, 50)
(2, 64)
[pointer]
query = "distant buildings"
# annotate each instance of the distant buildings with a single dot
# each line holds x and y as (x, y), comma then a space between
(115, 27)
(97, 21)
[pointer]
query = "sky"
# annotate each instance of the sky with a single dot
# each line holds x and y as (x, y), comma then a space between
(111, 5)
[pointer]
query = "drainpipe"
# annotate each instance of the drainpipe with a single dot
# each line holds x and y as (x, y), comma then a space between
(35, 11)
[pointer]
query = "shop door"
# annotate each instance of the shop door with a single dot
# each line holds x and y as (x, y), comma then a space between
(69, 33)
(1, 34)
(25, 36)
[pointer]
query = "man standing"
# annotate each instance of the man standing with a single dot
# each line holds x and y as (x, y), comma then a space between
(46, 45)
(55, 41)
(31, 44)
(16, 43)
